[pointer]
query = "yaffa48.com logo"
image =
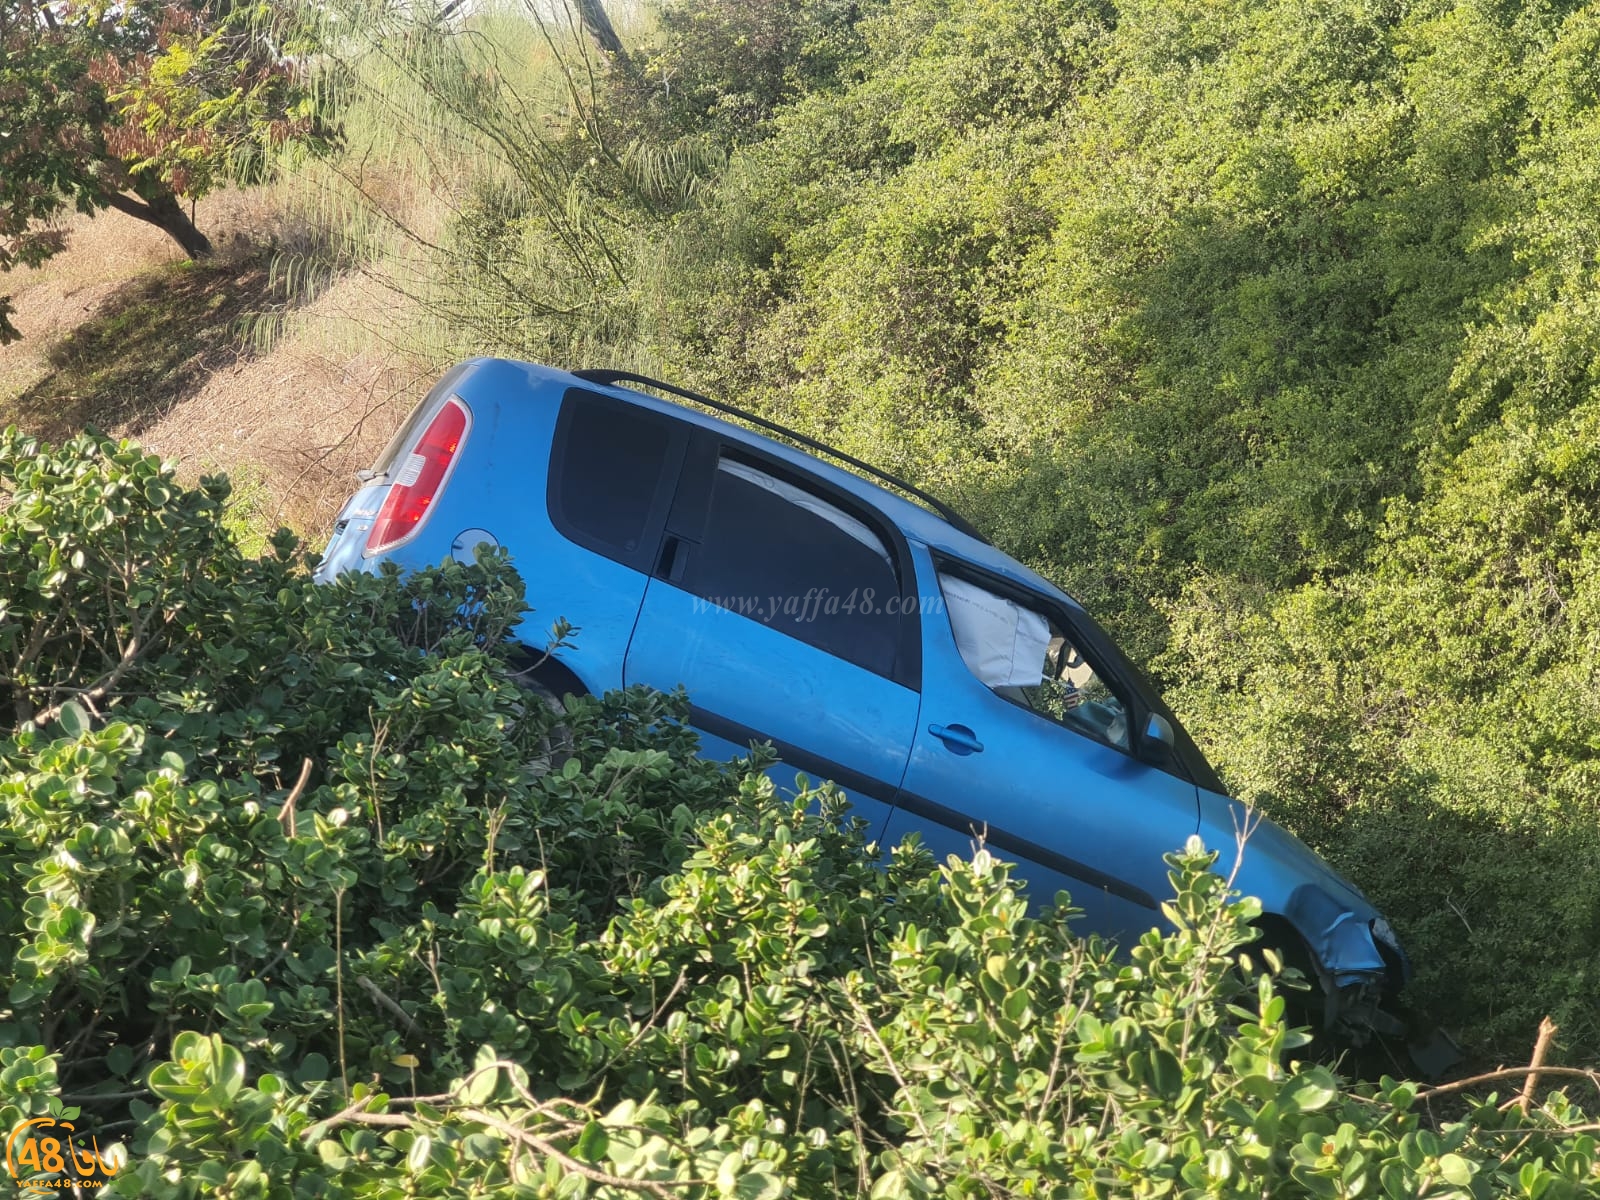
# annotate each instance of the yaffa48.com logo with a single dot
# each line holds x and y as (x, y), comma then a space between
(44, 1152)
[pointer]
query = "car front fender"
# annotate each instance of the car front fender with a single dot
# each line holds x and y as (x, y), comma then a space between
(1338, 938)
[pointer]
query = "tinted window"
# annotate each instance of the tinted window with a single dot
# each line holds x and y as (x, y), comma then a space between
(610, 463)
(786, 557)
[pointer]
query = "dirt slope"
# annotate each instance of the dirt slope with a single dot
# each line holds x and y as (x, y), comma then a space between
(121, 333)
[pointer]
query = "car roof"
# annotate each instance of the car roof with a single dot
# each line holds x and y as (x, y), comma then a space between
(915, 522)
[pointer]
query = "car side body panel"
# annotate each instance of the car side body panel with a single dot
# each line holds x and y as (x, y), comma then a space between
(829, 719)
(1075, 813)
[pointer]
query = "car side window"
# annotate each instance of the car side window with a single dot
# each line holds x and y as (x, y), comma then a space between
(1023, 655)
(787, 557)
(611, 473)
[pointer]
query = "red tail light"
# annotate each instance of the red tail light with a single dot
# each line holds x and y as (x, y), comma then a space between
(418, 478)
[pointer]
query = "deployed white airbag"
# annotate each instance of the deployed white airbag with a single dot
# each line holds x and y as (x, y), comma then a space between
(1003, 643)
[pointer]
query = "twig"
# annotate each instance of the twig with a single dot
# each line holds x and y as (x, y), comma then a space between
(328, 452)
(1461, 1085)
(130, 653)
(864, 1022)
(286, 813)
(382, 998)
(353, 1113)
(338, 980)
(683, 978)
(1554, 1130)
(534, 1142)
(1547, 1031)
(283, 953)
(98, 1097)
(380, 736)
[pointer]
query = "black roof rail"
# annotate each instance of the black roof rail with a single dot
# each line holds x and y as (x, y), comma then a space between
(609, 377)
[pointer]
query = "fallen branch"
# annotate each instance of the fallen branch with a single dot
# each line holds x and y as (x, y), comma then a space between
(1547, 1031)
(1508, 1073)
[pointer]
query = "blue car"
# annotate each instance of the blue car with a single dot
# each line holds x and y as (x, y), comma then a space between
(872, 639)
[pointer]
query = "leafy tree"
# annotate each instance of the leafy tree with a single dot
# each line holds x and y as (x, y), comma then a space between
(134, 107)
(727, 66)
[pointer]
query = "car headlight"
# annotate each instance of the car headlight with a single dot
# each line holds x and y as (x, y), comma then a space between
(1383, 932)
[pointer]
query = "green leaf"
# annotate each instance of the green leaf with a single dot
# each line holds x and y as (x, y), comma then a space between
(593, 1143)
(479, 1087)
(312, 1069)
(226, 1075)
(758, 1184)
(120, 1059)
(417, 1156)
(1308, 1091)
(1457, 1170)
(1313, 1180)
(73, 719)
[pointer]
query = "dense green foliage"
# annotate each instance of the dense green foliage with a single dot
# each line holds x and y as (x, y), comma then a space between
(465, 954)
(1267, 328)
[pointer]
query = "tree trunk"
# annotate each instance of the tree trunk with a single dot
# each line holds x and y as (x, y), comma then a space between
(599, 28)
(167, 215)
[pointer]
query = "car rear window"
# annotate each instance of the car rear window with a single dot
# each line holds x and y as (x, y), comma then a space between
(609, 474)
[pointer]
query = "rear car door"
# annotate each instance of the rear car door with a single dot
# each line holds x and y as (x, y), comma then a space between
(1029, 738)
(613, 470)
(779, 603)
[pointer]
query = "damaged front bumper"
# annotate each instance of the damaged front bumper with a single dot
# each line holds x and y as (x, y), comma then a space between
(1359, 964)
(1361, 968)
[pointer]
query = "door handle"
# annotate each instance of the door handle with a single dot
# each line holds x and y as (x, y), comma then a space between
(674, 556)
(958, 739)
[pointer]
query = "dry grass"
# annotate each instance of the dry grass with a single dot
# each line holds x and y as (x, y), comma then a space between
(120, 332)
(300, 419)
(54, 299)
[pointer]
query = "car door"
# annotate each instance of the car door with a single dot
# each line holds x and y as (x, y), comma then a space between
(613, 473)
(1029, 738)
(777, 602)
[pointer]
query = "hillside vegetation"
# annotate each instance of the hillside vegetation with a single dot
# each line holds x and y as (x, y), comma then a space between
(1267, 328)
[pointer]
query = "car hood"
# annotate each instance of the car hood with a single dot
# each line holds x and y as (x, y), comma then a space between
(1269, 848)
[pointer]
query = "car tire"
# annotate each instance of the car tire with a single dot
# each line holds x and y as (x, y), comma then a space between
(557, 745)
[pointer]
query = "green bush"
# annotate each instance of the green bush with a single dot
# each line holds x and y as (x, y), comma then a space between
(435, 962)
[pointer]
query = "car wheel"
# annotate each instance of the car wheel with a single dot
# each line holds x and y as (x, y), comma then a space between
(557, 744)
